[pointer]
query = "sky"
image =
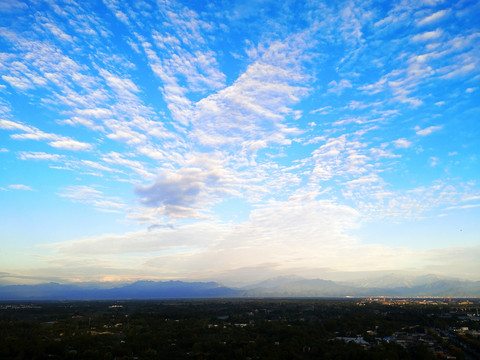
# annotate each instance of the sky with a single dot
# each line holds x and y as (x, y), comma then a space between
(237, 141)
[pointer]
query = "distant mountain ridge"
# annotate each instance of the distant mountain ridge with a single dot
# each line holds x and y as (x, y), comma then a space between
(397, 281)
(136, 290)
(390, 286)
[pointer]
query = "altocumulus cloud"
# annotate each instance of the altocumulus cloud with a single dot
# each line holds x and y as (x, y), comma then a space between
(221, 138)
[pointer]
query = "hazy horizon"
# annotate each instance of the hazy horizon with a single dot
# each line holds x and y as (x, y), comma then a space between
(237, 141)
(238, 280)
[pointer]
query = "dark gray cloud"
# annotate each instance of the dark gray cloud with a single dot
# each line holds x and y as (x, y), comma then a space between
(184, 192)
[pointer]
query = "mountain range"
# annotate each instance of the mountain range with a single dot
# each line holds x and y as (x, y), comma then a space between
(282, 287)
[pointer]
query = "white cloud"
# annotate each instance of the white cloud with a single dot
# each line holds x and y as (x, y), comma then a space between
(255, 105)
(32, 133)
(364, 180)
(340, 157)
(183, 61)
(77, 120)
(323, 110)
(80, 192)
(121, 131)
(428, 130)
(90, 195)
(55, 30)
(431, 2)
(32, 155)
(460, 70)
(12, 5)
(401, 143)
(19, 83)
(95, 112)
(184, 238)
(428, 35)
(122, 86)
(449, 58)
(11, 125)
(412, 203)
(111, 99)
(433, 17)
(136, 166)
(20, 187)
(338, 88)
(70, 144)
(376, 87)
(351, 19)
(96, 165)
(468, 206)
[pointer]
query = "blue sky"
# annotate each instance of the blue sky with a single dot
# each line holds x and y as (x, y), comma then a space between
(238, 140)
